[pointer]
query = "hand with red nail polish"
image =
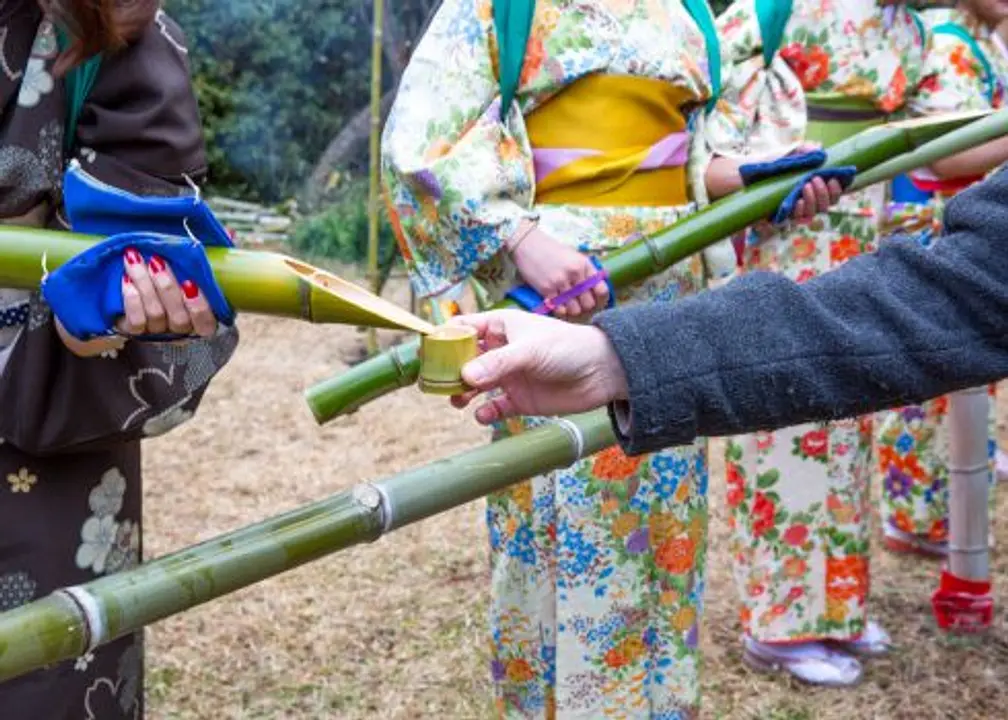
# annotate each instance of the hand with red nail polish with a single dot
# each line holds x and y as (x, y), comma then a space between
(155, 302)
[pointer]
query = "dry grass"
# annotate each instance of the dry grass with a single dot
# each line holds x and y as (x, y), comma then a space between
(395, 630)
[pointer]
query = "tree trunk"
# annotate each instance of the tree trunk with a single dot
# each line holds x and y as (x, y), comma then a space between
(350, 141)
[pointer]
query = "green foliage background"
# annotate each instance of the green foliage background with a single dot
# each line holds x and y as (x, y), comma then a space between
(276, 80)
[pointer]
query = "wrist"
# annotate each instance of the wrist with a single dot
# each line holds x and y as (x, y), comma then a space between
(611, 374)
(88, 348)
(521, 233)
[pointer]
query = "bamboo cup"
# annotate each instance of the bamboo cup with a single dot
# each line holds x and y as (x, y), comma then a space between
(443, 353)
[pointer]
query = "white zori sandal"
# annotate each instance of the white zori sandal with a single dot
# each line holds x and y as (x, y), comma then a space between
(830, 664)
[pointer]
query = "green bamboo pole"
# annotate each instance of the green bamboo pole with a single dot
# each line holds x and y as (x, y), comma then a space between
(72, 621)
(879, 153)
(253, 281)
(376, 85)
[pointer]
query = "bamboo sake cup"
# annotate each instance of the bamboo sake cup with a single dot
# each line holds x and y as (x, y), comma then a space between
(443, 353)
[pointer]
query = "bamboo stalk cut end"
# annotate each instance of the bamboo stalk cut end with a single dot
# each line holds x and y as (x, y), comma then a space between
(333, 299)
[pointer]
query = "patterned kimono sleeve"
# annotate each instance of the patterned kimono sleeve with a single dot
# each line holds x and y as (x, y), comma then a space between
(761, 113)
(140, 131)
(953, 79)
(458, 180)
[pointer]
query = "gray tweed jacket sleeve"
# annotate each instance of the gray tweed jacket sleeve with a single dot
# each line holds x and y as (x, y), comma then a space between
(895, 327)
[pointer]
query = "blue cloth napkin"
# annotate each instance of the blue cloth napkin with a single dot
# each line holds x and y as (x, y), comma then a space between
(94, 208)
(528, 299)
(844, 174)
(754, 172)
(86, 292)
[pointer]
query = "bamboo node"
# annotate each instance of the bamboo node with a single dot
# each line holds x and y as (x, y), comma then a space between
(576, 436)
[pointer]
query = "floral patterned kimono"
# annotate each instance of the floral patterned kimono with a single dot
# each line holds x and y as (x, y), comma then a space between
(597, 570)
(913, 441)
(70, 496)
(799, 497)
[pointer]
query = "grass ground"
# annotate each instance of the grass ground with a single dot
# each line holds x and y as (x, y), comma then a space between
(395, 630)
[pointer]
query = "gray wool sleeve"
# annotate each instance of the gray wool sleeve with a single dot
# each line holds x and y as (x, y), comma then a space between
(896, 327)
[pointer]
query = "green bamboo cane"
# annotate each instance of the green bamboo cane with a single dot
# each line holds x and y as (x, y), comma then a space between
(73, 621)
(375, 160)
(879, 153)
(253, 281)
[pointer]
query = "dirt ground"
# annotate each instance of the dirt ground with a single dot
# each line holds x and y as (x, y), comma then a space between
(395, 630)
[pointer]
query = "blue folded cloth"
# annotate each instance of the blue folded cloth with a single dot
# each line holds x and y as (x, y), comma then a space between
(86, 292)
(528, 299)
(754, 172)
(94, 208)
(844, 174)
(904, 191)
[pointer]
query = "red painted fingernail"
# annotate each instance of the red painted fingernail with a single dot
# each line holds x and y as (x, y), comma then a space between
(156, 264)
(133, 257)
(126, 279)
(189, 289)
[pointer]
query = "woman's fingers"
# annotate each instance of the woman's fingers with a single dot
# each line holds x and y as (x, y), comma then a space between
(134, 319)
(170, 295)
(200, 315)
(835, 191)
(136, 269)
(809, 196)
(822, 194)
(497, 408)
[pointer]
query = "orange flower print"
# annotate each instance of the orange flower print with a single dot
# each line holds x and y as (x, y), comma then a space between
(519, 670)
(795, 568)
(613, 464)
(940, 406)
(963, 62)
(895, 96)
(902, 521)
(397, 231)
(847, 578)
(615, 658)
(609, 506)
(619, 227)
(745, 616)
(938, 532)
(535, 56)
(633, 648)
(664, 527)
(625, 524)
(811, 65)
(508, 149)
(836, 611)
(684, 619)
(676, 556)
(438, 149)
(802, 248)
(522, 496)
(844, 249)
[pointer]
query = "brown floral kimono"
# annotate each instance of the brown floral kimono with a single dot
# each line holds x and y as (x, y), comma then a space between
(70, 428)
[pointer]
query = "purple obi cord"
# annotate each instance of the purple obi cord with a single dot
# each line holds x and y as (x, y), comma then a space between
(670, 151)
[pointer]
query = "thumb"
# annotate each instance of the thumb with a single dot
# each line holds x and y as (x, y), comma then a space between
(491, 368)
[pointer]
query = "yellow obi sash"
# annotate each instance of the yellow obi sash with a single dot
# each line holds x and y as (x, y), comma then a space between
(833, 118)
(612, 140)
